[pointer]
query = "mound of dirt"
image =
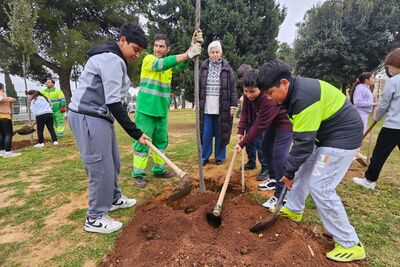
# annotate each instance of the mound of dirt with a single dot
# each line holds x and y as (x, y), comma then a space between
(178, 234)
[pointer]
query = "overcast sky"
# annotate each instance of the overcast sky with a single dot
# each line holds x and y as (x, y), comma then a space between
(295, 13)
(287, 32)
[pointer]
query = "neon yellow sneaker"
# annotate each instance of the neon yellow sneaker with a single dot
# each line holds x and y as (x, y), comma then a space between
(285, 212)
(342, 254)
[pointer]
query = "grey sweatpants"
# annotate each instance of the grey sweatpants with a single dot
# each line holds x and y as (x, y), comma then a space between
(319, 176)
(100, 156)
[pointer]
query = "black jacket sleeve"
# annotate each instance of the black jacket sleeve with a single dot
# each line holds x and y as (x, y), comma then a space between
(120, 114)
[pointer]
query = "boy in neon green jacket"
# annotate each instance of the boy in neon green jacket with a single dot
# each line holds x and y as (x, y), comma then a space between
(153, 101)
(57, 99)
(327, 131)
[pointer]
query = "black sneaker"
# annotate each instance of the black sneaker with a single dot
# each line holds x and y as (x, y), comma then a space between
(140, 181)
(219, 161)
(205, 162)
(263, 175)
(164, 175)
(250, 165)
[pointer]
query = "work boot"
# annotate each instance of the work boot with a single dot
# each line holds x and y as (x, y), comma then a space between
(250, 165)
(285, 212)
(140, 181)
(364, 183)
(263, 175)
(164, 175)
(342, 254)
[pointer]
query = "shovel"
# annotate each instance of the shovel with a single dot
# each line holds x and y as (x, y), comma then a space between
(271, 218)
(361, 159)
(25, 130)
(214, 217)
(185, 187)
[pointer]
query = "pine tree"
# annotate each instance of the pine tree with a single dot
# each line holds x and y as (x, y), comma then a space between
(10, 89)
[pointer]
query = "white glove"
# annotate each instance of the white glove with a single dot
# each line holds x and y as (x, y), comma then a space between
(197, 37)
(194, 50)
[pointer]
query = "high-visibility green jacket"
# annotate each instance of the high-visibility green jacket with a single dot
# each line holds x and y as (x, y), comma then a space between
(322, 116)
(155, 84)
(56, 97)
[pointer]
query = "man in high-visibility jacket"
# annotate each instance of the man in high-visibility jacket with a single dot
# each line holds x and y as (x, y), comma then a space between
(57, 99)
(153, 101)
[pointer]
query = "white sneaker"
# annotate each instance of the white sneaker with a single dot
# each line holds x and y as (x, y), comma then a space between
(271, 202)
(103, 225)
(364, 183)
(10, 154)
(267, 185)
(123, 202)
(39, 145)
(2, 152)
(55, 143)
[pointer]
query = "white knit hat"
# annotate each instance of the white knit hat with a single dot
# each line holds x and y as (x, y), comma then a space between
(214, 44)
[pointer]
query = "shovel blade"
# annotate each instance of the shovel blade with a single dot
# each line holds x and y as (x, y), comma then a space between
(264, 224)
(213, 220)
(182, 190)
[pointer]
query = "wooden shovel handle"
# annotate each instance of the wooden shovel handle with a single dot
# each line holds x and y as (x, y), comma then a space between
(172, 165)
(243, 188)
(217, 209)
(369, 129)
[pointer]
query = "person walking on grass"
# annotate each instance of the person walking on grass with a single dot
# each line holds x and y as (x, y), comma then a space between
(103, 85)
(253, 148)
(41, 109)
(272, 120)
(389, 136)
(153, 101)
(57, 99)
(327, 132)
(6, 127)
(218, 101)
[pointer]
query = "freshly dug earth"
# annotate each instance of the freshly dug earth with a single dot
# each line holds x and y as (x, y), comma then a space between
(177, 234)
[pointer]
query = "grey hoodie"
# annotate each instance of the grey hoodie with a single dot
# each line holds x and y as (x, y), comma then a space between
(103, 81)
(389, 103)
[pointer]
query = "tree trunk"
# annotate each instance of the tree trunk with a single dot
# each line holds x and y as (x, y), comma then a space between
(183, 102)
(24, 71)
(64, 74)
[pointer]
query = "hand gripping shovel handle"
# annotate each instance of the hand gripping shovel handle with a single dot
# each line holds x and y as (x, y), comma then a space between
(172, 165)
(218, 206)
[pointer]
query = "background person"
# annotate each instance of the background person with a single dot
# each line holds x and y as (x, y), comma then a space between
(389, 136)
(57, 99)
(6, 127)
(41, 109)
(361, 96)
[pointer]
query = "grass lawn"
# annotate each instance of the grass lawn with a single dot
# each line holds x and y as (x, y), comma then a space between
(43, 202)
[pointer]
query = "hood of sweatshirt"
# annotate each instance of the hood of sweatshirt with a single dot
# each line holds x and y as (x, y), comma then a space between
(108, 47)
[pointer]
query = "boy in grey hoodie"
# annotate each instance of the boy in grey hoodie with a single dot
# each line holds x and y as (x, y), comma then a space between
(103, 86)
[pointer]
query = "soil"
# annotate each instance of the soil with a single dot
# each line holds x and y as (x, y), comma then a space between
(178, 234)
